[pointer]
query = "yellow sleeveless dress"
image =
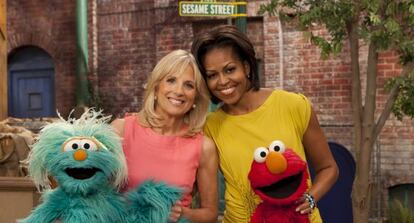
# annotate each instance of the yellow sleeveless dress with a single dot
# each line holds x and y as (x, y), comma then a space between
(283, 116)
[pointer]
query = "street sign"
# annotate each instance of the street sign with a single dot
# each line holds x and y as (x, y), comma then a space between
(192, 8)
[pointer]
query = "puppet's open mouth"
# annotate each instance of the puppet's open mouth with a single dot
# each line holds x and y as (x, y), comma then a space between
(283, 188)
(81, 173)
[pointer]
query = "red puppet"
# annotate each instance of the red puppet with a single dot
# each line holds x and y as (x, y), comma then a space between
(279, 177)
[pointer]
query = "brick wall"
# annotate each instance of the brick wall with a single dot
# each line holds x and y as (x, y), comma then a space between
(289, 61)
(50, 26)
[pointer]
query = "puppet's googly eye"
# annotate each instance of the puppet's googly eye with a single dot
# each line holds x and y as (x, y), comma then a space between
(277, 146)
(260, 154)
(88, 144)
(73, 144)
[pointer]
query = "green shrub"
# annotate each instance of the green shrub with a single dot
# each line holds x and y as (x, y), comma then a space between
(398, 213)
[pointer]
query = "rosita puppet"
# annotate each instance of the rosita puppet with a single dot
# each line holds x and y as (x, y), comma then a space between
(85, 158)
(279, 177)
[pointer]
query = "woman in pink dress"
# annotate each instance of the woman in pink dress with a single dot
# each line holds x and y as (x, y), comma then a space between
(164, 141)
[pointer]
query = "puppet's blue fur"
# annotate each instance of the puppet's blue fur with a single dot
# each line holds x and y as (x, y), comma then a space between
(96, 197)
(149, 202)
(104, 206)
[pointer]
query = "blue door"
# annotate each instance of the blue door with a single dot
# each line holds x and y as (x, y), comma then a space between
(31, 84)
(336, 205)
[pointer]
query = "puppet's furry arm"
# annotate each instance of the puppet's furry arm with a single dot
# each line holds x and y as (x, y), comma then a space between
(151, 202)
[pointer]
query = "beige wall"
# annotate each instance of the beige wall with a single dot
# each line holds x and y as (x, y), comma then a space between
(3, 61)
(18, 196)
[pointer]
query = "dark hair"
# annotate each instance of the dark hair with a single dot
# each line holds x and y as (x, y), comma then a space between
(226, 36)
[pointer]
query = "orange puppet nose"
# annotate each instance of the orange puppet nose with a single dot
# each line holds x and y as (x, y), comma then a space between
(80, 155)
(276, 163)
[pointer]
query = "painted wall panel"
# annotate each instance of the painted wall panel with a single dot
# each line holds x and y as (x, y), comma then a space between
(3, 61)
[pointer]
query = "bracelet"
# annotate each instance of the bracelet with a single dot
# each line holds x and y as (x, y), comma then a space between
(310, 199)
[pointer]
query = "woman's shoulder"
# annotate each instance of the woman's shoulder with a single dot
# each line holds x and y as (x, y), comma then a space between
(208, 143)
(209, 150)
(295, 105)
(288, 97)
(282, 92)
(119, 124)
(215, 117)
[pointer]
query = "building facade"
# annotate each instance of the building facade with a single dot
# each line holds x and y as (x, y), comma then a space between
(126, 38)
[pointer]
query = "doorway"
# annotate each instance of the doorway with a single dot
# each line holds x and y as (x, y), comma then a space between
(31, 83)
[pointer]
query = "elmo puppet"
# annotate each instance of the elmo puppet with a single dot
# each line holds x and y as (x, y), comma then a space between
(279, 177)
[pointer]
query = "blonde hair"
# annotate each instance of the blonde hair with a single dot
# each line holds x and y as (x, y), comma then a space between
(175, 63)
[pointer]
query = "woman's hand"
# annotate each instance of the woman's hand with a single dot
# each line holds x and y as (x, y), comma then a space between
(176, 211)
(307, 204)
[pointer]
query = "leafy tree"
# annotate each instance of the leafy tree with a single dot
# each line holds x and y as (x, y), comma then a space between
(383, 25)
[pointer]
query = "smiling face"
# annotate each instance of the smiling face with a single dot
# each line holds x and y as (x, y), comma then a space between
(226, 75)
(176, 93)
(278, 175)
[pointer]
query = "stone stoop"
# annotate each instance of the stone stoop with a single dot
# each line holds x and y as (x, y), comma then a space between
(18, 196)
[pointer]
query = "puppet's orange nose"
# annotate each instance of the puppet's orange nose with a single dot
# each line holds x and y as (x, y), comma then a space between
(80, 155)
(276, 163)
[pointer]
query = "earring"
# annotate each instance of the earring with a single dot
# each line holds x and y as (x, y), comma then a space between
(248, 76)
(194, 105)
(155, 97)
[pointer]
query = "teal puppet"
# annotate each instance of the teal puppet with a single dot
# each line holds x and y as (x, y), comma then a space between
(85, 158)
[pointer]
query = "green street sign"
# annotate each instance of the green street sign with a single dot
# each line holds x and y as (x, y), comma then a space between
(191, 8)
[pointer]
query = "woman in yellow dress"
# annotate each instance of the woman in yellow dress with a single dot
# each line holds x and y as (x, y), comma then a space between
(250, 117)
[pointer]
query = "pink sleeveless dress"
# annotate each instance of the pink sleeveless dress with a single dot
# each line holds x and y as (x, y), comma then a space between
(151, 156)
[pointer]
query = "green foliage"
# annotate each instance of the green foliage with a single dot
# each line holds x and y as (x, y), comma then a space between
(407, 50)
(388, 24)
(404, 104)
(332, 14)
(398, 213)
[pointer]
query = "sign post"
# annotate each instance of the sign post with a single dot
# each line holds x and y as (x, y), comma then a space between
(241, 22)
